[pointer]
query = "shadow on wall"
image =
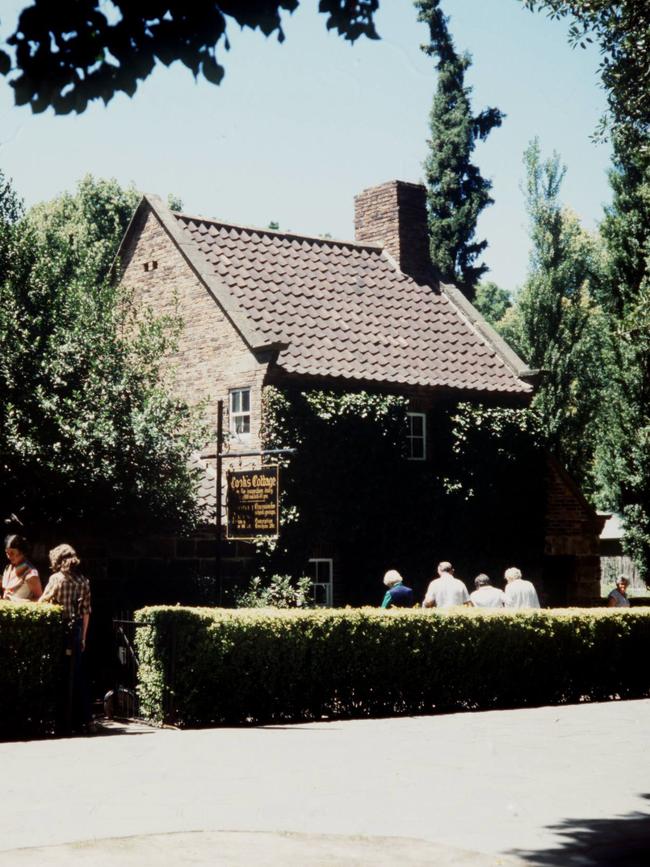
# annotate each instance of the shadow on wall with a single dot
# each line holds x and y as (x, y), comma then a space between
(622, 841)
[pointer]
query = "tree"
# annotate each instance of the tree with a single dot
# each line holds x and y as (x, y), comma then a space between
(457, 193)
(623, 31)
(85, 50)
(90, 434)
(625, 448)
(492, 301)
(623, 461)
(555, 323)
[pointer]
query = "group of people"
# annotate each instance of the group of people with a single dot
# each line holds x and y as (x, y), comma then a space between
(68, 588)
(447, 591)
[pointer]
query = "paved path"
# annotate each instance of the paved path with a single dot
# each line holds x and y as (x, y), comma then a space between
(557, 786)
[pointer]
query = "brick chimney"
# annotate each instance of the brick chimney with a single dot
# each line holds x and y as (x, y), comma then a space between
(394, 215)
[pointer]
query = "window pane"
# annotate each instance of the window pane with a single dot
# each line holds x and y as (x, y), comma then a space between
(323, 570)
(245, 400)
(417, 425)
(235, 401)
(417, 448)
(242, 424)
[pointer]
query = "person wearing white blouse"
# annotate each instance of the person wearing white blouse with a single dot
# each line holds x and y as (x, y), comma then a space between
(519, 593)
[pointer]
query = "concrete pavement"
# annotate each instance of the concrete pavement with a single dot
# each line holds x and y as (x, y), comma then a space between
(557, 786)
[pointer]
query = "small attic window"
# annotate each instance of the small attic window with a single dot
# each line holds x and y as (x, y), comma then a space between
(151, 265)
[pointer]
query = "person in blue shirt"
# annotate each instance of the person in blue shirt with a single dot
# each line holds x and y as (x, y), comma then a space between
(398, 595)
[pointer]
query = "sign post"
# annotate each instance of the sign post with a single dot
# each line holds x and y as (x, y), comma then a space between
(252, 503)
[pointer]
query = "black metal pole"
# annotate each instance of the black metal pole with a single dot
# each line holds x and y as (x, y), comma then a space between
(217, 563)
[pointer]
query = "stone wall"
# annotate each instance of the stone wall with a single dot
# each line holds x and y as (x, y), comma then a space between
(212, 357)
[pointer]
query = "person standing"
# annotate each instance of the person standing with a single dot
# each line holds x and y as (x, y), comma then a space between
(20, 580)
(445, 591)
(618, 596)
(70, 589)
(485, 595)
(398, 595)
(519, 593)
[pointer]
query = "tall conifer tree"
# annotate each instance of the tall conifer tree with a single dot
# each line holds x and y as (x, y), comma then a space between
(457, 193)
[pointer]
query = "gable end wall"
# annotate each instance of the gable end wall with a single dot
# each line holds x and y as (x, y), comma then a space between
(212, 357)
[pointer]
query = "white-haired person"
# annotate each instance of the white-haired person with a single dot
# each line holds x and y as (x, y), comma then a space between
(398, 595)
(446, 590)
(618, 596)
(485, 595)
(519, 592)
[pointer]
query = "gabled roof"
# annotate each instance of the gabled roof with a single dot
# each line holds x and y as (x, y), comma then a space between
(341, 309)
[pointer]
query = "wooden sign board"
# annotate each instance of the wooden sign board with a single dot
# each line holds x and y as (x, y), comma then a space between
(252, 503)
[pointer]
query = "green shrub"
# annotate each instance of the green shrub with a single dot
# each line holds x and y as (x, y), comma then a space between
(214, 666)
(278, 591)
(31, 654)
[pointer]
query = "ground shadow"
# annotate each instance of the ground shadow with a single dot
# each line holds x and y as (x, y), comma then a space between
(622, 841)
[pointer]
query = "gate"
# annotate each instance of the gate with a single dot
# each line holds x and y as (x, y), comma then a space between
(121, 701)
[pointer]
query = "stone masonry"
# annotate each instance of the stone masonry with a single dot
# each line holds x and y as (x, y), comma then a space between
(212, 357)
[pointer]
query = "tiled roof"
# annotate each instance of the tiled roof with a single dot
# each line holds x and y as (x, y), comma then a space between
(345, 310)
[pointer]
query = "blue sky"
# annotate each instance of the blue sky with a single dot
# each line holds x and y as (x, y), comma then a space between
(295, 130)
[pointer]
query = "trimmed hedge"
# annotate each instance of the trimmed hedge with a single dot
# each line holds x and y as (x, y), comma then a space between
(31, 658)
(201, 666)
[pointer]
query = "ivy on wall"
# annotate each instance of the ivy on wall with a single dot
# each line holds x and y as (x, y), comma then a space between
(349, 492)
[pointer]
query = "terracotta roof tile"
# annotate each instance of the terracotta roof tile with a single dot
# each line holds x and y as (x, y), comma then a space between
(345, 311)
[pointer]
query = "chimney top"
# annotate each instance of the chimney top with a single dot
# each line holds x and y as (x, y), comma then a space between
(394, 215)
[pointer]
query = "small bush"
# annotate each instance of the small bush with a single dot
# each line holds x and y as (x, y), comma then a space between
(31, 677)
(279, 592)
(214, 666)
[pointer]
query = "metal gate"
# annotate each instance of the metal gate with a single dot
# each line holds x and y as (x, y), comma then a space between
(121, 701)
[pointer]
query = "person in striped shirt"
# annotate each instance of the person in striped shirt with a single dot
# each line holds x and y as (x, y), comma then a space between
(20, 580)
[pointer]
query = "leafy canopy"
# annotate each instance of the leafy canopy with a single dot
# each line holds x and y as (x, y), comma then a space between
(83, 50)
(556, 324)
(625, 448)
(90, 433)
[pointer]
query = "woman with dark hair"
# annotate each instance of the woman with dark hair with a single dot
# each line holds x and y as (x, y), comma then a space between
(20, 581)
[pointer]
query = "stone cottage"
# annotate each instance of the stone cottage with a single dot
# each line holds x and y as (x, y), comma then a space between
(263, 307)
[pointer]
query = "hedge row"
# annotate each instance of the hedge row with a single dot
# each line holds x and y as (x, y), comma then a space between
(31, 655)
(201, 667)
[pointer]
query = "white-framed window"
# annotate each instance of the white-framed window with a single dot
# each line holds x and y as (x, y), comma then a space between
(321, 572)
(416, 436)
(240, 413)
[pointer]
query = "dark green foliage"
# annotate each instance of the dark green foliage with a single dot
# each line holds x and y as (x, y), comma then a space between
(31, 675)
(625, 446)
(349, 491)
(457, 193)
(66, 57)
(269, 666)
(90, 433)
(492, 302)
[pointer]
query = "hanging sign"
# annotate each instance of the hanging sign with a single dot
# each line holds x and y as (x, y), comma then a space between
(252, 503)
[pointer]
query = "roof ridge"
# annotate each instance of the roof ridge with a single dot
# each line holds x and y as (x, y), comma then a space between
(488, 334)
(278, 232)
